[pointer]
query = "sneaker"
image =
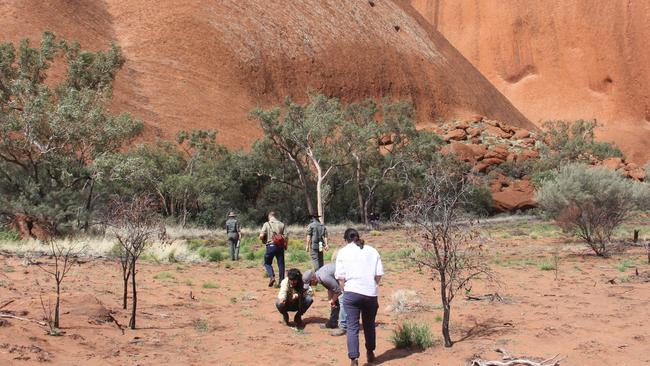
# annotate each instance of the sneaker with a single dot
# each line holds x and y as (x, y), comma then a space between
(285, 318)
(271, 282)
(371, 356)
(354, 362)
(338, 332)
(328, 326)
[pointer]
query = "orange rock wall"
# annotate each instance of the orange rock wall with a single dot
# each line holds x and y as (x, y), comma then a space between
(207, 64)
(560, 59)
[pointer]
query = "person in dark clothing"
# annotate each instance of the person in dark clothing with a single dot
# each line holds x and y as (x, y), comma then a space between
(233, 231)
(316, 242)
(325, 276)
(294, 296)
(270, 228)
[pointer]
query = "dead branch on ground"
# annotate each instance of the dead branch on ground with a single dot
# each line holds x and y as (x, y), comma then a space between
(508, 360)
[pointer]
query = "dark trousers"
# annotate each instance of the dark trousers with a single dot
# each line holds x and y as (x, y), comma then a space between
(234, 249)
(334, 315)
(317, 259)
(299, 306)
(273, 251)
(365, 306)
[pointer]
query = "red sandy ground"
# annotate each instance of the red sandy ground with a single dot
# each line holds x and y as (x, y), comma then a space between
(580, 315)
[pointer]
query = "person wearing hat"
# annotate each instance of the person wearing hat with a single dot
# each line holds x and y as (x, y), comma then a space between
(316, 241)
(233, 231)
(325, 276)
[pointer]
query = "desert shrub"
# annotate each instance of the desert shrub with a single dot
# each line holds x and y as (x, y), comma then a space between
(412, 335)
(7, 234)
(591, 203)
(574, 141)
(298, 255)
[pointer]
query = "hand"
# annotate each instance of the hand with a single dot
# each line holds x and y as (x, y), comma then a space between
(295, 297)
(283, 302)
(333, 303)
(326, 247)
(307, 248)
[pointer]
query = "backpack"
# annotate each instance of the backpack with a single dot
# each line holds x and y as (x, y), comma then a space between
(278, 239)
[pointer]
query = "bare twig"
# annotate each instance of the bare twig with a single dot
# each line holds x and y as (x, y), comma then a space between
(11, 316)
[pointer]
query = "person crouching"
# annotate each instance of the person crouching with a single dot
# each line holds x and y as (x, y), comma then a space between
(294, 296)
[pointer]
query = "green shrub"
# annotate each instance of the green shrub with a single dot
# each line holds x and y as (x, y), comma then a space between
(215, 255)
(412, 335)
(624, 265)
(298, 255)
(591, 202)
(210, 285)
(7, 234)
(163, 276)
(547, 266)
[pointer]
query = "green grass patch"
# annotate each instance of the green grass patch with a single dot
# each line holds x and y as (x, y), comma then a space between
(163, 276)
(438, 318)
(624, 265)
(210, 285)
(412, 335)
(201, 325)
(546, 266)
(298, 255)
(8, 269)
(7, 234)
(189, 283)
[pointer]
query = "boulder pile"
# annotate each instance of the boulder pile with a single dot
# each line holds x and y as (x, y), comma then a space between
(493, 147)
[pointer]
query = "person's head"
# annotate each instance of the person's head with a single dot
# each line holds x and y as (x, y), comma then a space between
(272, 214)
(352, 236)
(309, 277)
(314, 216)
(232, 214)
(295, 278)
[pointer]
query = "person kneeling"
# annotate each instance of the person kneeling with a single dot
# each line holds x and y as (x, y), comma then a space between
(294, 296)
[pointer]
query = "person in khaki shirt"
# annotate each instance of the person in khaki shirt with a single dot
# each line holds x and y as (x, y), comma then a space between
(294, 295)
(273, 226)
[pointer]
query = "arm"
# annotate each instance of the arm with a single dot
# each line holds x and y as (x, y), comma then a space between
(282, 294)
(379, 272)
(307, 240)
(263, 233)
(325, 245)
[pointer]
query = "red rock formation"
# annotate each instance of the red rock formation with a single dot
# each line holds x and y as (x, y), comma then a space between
(560, 59)
(206, 64)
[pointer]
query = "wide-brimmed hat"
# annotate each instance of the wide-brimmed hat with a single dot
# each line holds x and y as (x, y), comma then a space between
(314, 215)
(232, 214)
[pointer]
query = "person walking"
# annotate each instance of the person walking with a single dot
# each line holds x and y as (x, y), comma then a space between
(294, 295)
(325, 276)
(316, 241)
(233, 232)
(273, 250)
(359, 270)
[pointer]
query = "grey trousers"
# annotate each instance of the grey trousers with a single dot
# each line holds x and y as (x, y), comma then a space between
(234, 249)
(317, 259)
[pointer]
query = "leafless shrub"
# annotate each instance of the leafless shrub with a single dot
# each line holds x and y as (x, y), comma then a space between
(136, 225)
(446, 243)
(64, 256)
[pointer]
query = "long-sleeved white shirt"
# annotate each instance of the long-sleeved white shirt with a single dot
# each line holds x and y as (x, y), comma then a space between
(359, 267)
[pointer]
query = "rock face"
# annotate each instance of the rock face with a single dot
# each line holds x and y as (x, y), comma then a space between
(560, 59)
(207, 64)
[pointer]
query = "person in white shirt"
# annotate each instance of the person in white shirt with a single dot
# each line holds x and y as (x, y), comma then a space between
(358, 270)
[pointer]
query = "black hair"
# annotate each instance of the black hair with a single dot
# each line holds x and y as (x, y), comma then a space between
(352, 236)
(294, 274)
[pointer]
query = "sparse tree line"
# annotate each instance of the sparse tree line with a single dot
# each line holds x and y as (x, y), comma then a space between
(63, 155)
